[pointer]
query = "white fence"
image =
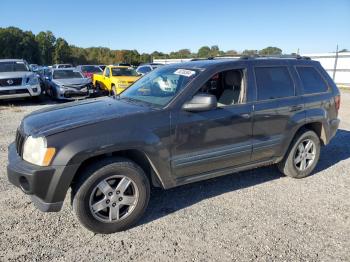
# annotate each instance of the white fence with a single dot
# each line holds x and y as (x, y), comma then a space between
(342, 66)
(327, 60)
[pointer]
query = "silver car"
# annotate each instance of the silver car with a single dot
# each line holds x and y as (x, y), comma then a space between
(67, 84)
(16, 80)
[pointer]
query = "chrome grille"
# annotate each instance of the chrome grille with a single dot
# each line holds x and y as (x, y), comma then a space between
(11, 82)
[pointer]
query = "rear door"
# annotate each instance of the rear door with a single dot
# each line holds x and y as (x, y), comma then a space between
(278, 107)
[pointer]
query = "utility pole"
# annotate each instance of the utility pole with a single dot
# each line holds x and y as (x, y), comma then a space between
(335, 63)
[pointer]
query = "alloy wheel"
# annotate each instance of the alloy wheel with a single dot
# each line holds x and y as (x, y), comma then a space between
(113, 199)
(305, 154)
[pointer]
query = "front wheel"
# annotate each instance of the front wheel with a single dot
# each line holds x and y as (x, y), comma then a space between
(302, 156)
(111, 195)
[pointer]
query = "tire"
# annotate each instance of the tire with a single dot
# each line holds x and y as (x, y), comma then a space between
(293, 164)
(88, 199)
(113, 90)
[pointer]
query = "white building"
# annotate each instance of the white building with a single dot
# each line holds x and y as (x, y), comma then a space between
(327, 60)
(342, 71)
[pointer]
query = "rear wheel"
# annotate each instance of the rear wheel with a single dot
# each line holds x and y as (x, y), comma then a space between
(302, 156)
(111, 195)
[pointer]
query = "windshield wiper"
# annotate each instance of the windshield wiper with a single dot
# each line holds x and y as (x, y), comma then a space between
(136, 101)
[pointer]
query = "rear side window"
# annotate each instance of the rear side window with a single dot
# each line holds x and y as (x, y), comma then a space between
(273, 82)
(311, 80)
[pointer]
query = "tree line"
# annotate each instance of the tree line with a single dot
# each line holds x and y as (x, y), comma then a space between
(45, 49)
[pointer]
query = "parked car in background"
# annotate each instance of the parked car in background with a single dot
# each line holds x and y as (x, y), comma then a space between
(16, 79)
(102, 67)
(67, 84)
(33, 67)
(62, 66)
(219, 117)
(115, 78)
(123, 64)
(146, 68)
(42, 72)
(89, 70)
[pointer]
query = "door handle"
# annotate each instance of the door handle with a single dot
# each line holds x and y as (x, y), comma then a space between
(296, 108)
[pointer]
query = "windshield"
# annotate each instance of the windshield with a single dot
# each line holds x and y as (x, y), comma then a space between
(91, 69)
(124, 72)
(64, 74)
(159, 86)
(13, 66)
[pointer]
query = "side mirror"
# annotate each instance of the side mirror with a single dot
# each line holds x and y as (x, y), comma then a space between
(200, 102)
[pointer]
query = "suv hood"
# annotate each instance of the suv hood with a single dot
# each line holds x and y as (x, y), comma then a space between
(19, 74)
(56, 119)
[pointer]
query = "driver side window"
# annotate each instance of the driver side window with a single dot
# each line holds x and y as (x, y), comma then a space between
(107, 72)
(228, 86)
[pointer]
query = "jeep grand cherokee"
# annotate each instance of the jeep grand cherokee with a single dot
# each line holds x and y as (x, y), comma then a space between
(178, 124)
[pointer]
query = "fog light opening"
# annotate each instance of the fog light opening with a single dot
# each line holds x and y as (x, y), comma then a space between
(24, 183)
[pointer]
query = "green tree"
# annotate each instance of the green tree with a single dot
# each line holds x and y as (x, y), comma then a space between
(250, 52)
(204, 52)
(62, 53)
(231, 52)
(46, 42)
(15, 43)
(214, 51)
(270, 50)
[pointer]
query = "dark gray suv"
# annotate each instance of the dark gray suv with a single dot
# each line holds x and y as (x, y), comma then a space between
(178, 124)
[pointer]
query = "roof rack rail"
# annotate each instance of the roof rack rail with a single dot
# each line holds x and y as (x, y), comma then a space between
(274, 56)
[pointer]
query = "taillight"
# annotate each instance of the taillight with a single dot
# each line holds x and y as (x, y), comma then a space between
(337, 102)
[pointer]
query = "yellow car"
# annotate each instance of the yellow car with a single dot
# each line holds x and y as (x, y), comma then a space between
(116, 78)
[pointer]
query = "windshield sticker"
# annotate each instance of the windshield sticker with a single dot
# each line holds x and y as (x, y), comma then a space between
(184, 72)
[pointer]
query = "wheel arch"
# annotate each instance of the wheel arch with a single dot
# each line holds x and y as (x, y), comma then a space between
(135, 155)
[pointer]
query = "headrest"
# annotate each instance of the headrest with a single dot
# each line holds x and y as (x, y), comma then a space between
(233, 78)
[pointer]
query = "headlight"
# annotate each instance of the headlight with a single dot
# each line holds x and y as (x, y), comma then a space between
(33, 80)
(35, 151)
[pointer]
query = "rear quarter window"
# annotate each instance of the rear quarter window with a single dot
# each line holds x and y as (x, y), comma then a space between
(311, 80)
(274, 82)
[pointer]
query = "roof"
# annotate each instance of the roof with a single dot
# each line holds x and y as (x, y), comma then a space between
(116, 66)
(11, 60)
(214, 61)
(62, 69)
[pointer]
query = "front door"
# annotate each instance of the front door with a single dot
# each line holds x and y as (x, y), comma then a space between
(215, 140)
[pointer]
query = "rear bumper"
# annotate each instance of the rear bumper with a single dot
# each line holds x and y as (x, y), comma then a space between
(47, 186)
(333, 126)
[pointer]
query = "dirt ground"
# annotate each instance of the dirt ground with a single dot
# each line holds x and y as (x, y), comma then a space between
(254, 215)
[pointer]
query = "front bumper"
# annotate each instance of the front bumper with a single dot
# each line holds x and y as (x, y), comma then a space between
(20, 91)
(74, 94)
(47, 186)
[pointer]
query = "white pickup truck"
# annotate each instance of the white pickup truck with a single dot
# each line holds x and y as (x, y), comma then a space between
(16, 80)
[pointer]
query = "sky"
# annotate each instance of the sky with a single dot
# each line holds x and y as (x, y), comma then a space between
(169, 25)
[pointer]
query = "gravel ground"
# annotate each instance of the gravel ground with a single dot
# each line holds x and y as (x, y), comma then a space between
(253, 215)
